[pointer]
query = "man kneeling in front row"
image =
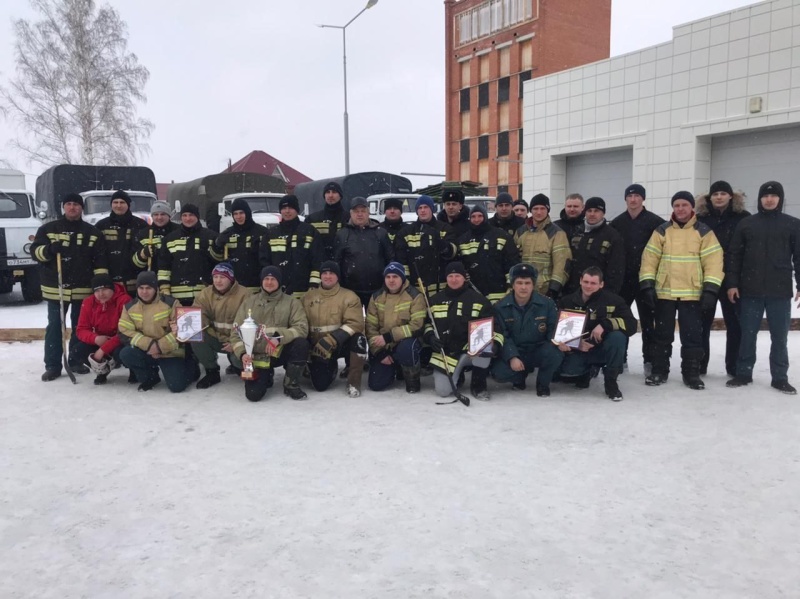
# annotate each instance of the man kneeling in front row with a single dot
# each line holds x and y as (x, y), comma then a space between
(605, 335)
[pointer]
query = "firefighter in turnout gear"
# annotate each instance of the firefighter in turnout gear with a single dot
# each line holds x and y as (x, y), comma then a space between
(504, 217)
(239, 245)
(120, 229)
(83, 255)
(330, 219)
(336, 329)
(149, 241)
(488, 253)
(295, 247)
(188, 256)
(453, 308)
(392, 218)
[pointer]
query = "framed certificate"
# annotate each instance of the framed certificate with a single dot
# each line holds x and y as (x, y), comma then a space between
(190, 324)
(481, 335)
(569, 329)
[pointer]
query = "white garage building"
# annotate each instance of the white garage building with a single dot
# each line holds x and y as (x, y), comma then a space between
(720, 101)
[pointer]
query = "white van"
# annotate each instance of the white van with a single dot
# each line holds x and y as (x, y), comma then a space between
(376, 205)
(486, 201)
(20, 218)
(97, 204)
(264, 207)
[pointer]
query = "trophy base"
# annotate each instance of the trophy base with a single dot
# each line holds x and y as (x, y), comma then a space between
(249, 375)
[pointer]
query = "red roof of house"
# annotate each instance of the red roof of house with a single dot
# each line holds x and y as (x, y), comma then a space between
(262, 163)
(161, 191)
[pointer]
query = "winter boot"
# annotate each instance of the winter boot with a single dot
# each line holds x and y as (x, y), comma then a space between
(231, 369)
(691, 361)
(79, 368)
(50, 375)
(355, 374)
(611, 387)
(101, 379)
(411, 375)
(784, 387)
(132, 377)
(291, 385)
(659, 366)
(150, 384)
(542, 390)
(739, 381)
(478, 384)
(582, 381)
(209, 380)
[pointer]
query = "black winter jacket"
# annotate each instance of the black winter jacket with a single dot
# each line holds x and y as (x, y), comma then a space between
(185, 263)
(143, 240)
(602, 247)
(635, 234)
(424, 249)
(605, 308)
(722, 223)
(573, 227)
(488, 253)
(362, 253)
(509, 225)
(328, 222)
(296, 248)
(461, 223)
(393, 228)
(121, 233)
(242, 244)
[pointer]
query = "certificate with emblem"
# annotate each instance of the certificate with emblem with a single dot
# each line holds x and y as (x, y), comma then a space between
(481, 334)
(569, 329)
(190, 324)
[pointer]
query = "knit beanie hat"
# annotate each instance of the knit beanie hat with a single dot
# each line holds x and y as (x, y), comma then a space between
(272, 271)
(102, 282)
(289, 201)
(244, 206)
(637, 189)
(72, 197)
(333, 186)
(771, 187)
(191, 209)
(521, 203)
(147, 278)
(456, 268)
(160, 207)
(224, 269)
(479, 208)
(393, 203)
(540, 200)
(721, 186)
(121, 195)
(683, 195)
(503, 198)
(522, 270)
(329, 266)
(596, 202)
(453, 195)
(395, 268)
(425, 201)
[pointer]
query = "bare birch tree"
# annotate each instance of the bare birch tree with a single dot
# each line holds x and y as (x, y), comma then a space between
(77, 87)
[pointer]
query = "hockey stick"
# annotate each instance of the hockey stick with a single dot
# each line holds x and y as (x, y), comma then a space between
(67, 367)
(459, 397)
(150, 250)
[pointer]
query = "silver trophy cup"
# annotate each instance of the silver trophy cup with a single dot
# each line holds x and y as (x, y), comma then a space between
(248, 331)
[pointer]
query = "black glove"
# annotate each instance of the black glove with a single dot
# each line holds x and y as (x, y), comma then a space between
(648, 297)
(55, 248)
(708, 301)
(433, 341)
(223, 239)
(552, 294)
(146, 252)
(324, 348)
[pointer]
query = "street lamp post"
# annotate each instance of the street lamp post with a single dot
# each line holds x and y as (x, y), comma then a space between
(344, 27)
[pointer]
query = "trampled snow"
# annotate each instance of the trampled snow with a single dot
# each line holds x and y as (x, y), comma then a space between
(107, 492)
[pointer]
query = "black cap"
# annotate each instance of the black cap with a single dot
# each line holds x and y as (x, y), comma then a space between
(521, 203)
(191, 209)
(393, 203)
(72, 197)
(289, 201)
(244, 206)
(683, 195)
(596, 202)
(503, 198)
(456, 268)
(102, 281)
(637, 189)
(522, 270)
(272, 271)
(479, 208)
(329, 266)
(453, 195)
(540, 200)
(147, 278)
(333, 186)
(721, 186)
(121, 195)
(771, 187)
(358, 201)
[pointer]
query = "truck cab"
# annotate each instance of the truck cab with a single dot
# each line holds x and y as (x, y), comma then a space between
(486, 201)
(264, 207)
(97, 204)
(377, 203)
(20, 218)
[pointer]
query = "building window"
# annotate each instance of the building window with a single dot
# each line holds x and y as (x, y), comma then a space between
(483, 147)
(490, 17)
(464, 156)
(483, 95)
(464, 104)
(519, 192)
(519, 137)
(503, 86)
(502, 143)
(523, 77)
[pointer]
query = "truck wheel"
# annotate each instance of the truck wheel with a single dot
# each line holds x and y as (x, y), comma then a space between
(6, 284)
(31, 287)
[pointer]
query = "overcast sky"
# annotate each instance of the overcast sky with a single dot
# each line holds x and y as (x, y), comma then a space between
(227, 78)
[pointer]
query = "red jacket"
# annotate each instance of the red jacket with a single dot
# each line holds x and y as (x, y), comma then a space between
(102, 319)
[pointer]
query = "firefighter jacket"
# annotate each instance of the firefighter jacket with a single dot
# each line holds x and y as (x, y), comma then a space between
(547, 248)
(362, 253)
(336, 311)
(120, 232)
(636, 232)
(218, 310)
(186, 261)
(424, 249)
(328, 222)
(524, 328)
(396, 316)
(600, 246)
(83, 256)
(102, 319)
(452, 311)
(393, 228)
(239, 245)
(509, 225)
(459, 225)
(296, 248)
(682, 261)
(603, 307)
(280, 315)
(141, 325)
(488, 253)
(151, 238)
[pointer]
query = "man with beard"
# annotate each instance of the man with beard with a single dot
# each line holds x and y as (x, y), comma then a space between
(571, 221)
(187, 258)
(454, 213)
(598, 245)
(392, 217)
(285, 325)
(148, 244)
(609, 324)
(294, 247)
(504, 217)
(336, 330)
(219, 303)
(330, 219)
(121, 229)
(722, 210)
(544, 245)
(239, 244)
(453, 308)
(83, 255)
(488, 253)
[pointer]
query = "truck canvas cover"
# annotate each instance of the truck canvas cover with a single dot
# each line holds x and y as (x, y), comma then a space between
(355, 185)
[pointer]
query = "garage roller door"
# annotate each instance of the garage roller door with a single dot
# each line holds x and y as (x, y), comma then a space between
(746, 160)
(604, 174)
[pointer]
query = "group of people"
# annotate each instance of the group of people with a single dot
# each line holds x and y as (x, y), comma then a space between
(397, 299)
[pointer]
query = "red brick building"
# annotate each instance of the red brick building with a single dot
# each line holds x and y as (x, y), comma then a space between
(493, 47)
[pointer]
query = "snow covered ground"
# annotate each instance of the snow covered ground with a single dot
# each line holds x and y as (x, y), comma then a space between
(107, 492)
